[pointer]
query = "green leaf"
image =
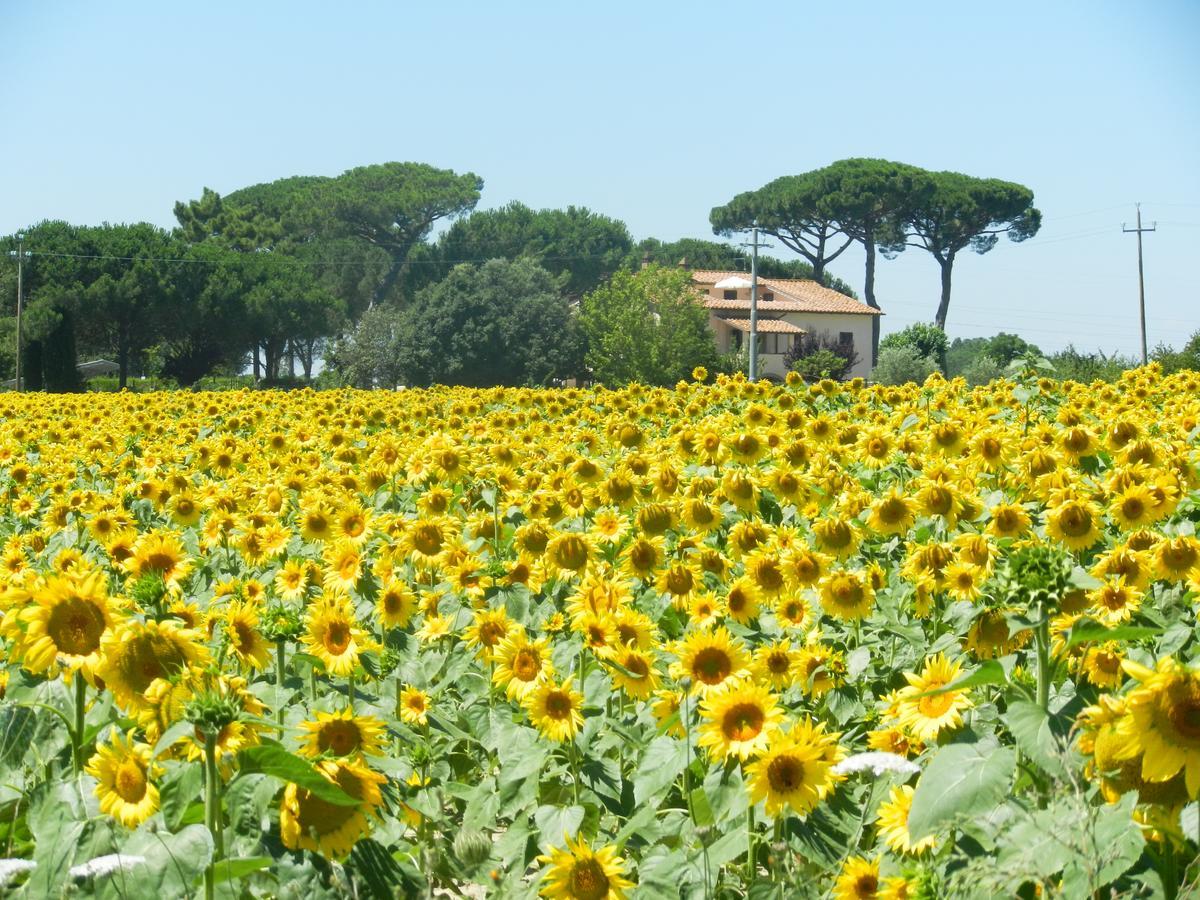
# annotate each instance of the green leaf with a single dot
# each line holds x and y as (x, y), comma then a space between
(272, 759)
(1031, 726)
(701, 808)
(662, 763)
(230, 869)
(17, 727)
(960, 780)
(1087, 631)
(557, 823)
(989, 672)
(178, 792)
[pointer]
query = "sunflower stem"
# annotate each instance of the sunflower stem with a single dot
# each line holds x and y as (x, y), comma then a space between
(350, 690)
(574, 769)
(750, 866)
(212, 812)
(280, 663)
(1041, 636)
(80, 710)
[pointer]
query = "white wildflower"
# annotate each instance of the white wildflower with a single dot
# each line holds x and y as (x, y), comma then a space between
(106, 865)
(876, 762)
(11, 868)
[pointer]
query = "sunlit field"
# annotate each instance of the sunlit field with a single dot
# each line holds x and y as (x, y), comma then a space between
(721, 640)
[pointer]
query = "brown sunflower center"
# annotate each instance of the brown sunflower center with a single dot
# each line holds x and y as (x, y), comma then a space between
(160, 562)
(712, 665)
(129, 780)
(526, 665)
(571, 553)
(588, 880)
(427, 540)
(743, 722)
(1184, 715)
(1075, 521)
(785, 773)
(75, 627)
(491, 633)
(558, 705)
(679, 581)
(778, 663)
(337, 638)
(339, 737)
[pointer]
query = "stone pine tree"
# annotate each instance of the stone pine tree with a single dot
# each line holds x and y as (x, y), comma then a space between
(865, 197)
(951, 212)
(790, 209)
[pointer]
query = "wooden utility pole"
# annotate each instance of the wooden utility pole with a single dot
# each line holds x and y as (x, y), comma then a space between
(1141, 277)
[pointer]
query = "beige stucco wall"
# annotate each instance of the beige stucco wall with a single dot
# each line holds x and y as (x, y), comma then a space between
(835, 324)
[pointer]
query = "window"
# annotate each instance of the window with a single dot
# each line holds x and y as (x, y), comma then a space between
(731, 295)
(846, 339)
(768, 297)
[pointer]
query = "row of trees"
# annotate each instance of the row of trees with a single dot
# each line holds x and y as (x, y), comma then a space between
(886, 207)
(275, 272)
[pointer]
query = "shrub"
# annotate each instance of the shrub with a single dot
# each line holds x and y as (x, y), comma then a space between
(821, 355)
(981, 370)
(900, 365)
(928, 340)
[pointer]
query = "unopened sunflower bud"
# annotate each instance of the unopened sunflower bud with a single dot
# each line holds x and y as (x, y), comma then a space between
(472, 848)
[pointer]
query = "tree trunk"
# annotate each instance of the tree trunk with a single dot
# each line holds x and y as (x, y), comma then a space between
(947, 265)
(818, 261)
(869, 292)
(257, 367)
(389, 280)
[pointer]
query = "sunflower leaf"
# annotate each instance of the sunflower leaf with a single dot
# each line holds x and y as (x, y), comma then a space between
(1088, 631)
(960, 780)
(272, 759)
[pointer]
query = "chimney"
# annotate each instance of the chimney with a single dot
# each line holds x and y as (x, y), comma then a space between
(683, 263)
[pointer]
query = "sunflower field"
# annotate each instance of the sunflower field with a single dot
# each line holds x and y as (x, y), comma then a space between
(722, 640)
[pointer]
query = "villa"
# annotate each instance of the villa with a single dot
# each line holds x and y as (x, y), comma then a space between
(787, 309)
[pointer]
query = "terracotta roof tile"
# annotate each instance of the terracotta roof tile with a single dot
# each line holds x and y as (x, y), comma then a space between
(766, 326)
(791, 295)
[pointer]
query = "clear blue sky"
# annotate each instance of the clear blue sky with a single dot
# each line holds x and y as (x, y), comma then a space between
(652, 112)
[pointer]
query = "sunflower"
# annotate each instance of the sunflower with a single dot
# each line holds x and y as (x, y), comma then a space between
(1074, 523)
(1163, 721)
(342, 734)
(777, 664)
(124, 769)
(926, 715)
(964, 581)
(846, 595)
(308, 822)
(766, 573)
(162, 554)
(244, 638)
(1008, 520)
(343, 566)
(135, 653)
(520, 662)
(333, 635)
(556, 710)
(893, 513)
(893, 823)
(836, 536)
(636, 675)
(710, 658)
(65, 622)
(569, 552)
(738, 719)
(1133, 508)
(822, 669)
(395, 605)
(1176, 559)
(414, 706)
(741, 602)
(680, 581)
(487, 629)
(291, 580)
(668, 712)
(581, 873)
(1115, 601)
(794, 772)
(858, 880)
(1102, 665)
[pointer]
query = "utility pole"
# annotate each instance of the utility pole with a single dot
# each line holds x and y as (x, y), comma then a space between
(1141, 277)
(754, 302)
(21, 255)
